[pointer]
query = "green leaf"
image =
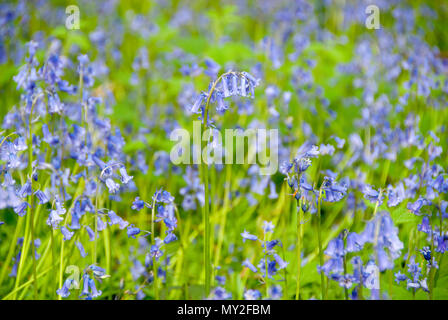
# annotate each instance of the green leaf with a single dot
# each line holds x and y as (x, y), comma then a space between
(310, 274)
(132, 146)
(403, 215)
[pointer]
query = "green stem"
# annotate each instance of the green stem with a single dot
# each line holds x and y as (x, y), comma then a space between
(319, 239)
(266, 277)
(23, 254)
(223, 218)
(53, 260)
(205, 180)
(299, 247)
(30, 198)
(345, 268)
(12, 246)
(94, 256)
(206, 218)
(33, 249)
(154, 261)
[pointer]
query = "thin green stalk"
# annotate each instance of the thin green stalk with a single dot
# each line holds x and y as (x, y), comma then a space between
(30, 198)
(107, 249)
(299, 247)
(319, 239)
(345, 272)
(53, 259)
(95, 241)
(206, 218)
(345, 267)
(223, 217)
(33, 249)
(377, 231)
(266, 275)
(23, 254)
(154, 261)
(10, 295)
(61, 265)
(205, 209)
(79, 191)
(11, 250)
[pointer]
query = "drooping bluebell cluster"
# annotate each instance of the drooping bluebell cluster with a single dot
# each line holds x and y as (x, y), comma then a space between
(230, 84)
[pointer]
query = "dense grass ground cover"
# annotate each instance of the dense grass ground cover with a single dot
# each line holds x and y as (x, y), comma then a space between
(91, 206)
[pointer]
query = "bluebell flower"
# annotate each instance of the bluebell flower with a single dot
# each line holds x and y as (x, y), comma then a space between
(271, 244)
(100, 224)
(90, 233)
(426, 252)
(97, 271)
(272, 267)
(80, 247)
(132, 231)
(425, 226)
(64, 292)
(247, 236)
(66, 233)
(115, 219)
(399, 277)
(307, 150)
(125, 178)
(415, 207)
(385, 237)
(8, 180)
(95, 293)
(25, 190)
(272, 192)
(59, 205)
(21, 208)
(221, 280)
(326, 149)
(41, 196)
(305, 185)
(64, 86)
(281, 263)
(170, 238)
(54, 107)
(252, 295)
(346, 281)
(89, 289)
(155, 251)
(353, 242)
(112, 185)
(220, 293)
(54, 219)
(163, 196)
(301, 165)
(275, 292)
(195, 108)
(268, 226)
(372, 195)
(52, 140)
(248, 264)
(138, 204)
(212, 68)
(333, 192)
(335, 248)
(442, 242)
(395, 195)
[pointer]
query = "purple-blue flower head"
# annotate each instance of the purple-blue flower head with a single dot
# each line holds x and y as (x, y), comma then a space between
(247, 236)
(132, 231)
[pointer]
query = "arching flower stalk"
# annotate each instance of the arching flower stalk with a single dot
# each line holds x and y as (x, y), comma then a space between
(224, 86)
